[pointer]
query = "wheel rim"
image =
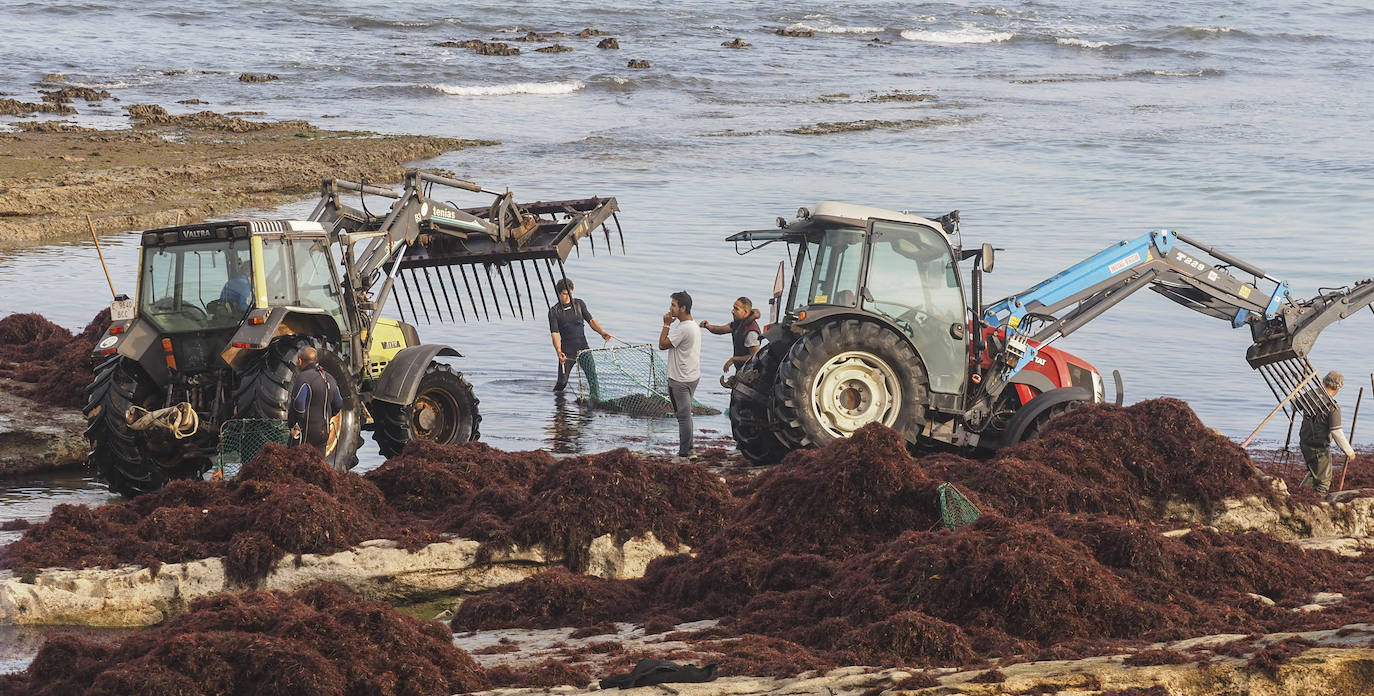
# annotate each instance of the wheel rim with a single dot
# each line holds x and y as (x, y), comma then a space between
(853, 389)
(435, 416)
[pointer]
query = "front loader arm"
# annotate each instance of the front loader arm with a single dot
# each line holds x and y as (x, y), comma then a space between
(1283, 329)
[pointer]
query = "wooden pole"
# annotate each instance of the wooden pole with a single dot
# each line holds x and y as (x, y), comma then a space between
(101, 254)
(1278, 408)
(1354, 420)
(1289, 440)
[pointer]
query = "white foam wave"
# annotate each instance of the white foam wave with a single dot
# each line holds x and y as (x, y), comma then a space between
(967, 35)
(1205, 29)
(1082, 43)
(539, 88)
(836, 29)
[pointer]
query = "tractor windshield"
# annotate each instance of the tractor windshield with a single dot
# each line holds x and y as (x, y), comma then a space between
(196, 287)
(827, 269)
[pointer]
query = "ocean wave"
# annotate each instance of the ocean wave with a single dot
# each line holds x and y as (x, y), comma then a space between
(379, 23)
(537, 88)
(1190, 31)
(835, 28)
(1082, 43)
(967, 35)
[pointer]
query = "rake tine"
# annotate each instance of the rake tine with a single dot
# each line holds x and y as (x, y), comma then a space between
(561, 270)
(454, 282)
(534, 311)
(405, 285)
(513, 305)
(540, 278)
(619, 231)
(423, 306)
(435, 296)
(464, 271)
(607, 231)
(591, 241)
(492, 284)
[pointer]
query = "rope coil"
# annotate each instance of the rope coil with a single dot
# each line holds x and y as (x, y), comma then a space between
(179, 420)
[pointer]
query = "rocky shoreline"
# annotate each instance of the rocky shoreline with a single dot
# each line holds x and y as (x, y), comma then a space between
(168, 170)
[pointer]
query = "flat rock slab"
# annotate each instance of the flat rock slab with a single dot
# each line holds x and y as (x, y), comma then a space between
(35, 439)
(135, 596)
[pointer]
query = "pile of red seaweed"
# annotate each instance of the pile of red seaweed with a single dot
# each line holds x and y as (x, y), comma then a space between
(283, 501)
(321, 641)
(838, 556)
(287, 500)
(529, 499)
(54, 365)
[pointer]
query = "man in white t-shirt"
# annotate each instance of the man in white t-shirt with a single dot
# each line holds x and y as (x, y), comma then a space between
(682, 340)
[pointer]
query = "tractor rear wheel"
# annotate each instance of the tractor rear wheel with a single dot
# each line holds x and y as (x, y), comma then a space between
(751, 413)
(843, 376)
(1034, 417)
(116, 454)
(264, 391)
(444, 411)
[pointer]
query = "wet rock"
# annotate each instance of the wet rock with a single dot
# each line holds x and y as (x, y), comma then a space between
(536, 36)
(556, 48)
(152, 115)
(590, 32)
(875, 41)
(735, 43)
(900, 96)
(14, 107)
(377, 569)
(191, 101)
(54, 77)
(66, 95)
(638, 64)
(608, 43)
(257, 77)
(796, 33)
(496, 49)
(33, 439)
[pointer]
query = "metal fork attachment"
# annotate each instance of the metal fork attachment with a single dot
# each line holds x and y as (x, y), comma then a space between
(492, 247)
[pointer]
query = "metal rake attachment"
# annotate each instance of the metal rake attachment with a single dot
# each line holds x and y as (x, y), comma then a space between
(422, 239)
(1294, 382)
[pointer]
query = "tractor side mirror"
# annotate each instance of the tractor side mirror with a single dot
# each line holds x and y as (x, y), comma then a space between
(986, 258)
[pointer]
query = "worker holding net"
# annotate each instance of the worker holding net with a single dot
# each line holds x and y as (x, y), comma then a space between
(567, 325)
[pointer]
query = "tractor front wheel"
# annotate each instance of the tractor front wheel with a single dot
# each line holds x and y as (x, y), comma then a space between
(444, 411)
(843, 376)
(751, 413)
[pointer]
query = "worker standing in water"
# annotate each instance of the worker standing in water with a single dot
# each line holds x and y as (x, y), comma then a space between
(567, 321)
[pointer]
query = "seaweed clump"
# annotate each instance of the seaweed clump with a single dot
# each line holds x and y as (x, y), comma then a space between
(286, 500)
(320, 640)
(839, 555)
(54, 365)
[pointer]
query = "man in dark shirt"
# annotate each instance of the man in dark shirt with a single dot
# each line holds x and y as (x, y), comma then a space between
(1315, 436)
(315, 398)
(567, 320)
(744, 330)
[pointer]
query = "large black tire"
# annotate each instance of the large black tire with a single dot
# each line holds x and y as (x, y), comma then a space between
(1032, 418)
(116, 454)
(751, 406)
(843, 376)
(264, 391)
(444, 411)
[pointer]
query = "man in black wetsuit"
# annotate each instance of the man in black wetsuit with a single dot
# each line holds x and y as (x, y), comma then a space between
(567, 319)
(315, 398)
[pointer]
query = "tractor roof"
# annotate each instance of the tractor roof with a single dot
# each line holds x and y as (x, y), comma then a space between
(851, 215)
(229, 229)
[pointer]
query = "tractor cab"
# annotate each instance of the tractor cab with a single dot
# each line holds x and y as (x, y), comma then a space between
(897, 268)
(207, 277)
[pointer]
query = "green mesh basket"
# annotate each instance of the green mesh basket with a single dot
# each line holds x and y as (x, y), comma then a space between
(631, 379)
(955, 510)
(241, 440)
